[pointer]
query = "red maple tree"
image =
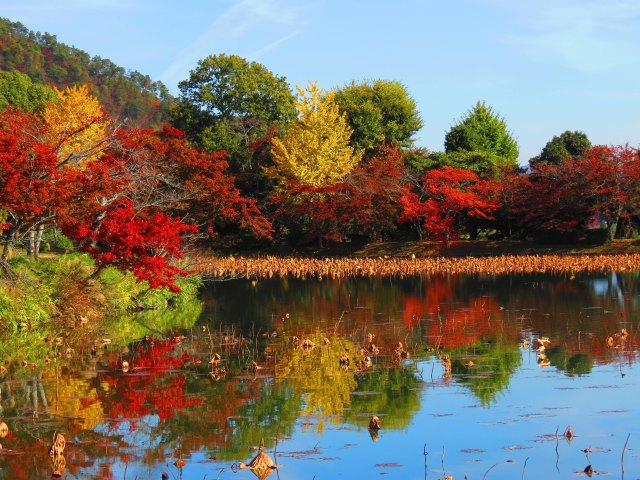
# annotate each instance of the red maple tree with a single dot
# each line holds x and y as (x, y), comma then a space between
(451, 196)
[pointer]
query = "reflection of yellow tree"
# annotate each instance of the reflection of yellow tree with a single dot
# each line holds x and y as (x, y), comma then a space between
(317, 376)
(74, 397)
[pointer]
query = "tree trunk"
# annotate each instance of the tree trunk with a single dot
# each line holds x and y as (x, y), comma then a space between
(8, 245)
(95, 274)
(31, 245)
(6, 251)
(621, 228)
(38, 241)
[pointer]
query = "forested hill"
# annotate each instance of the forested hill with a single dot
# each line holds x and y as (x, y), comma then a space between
(123, 94)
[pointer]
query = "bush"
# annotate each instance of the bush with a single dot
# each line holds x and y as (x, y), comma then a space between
(60, 242)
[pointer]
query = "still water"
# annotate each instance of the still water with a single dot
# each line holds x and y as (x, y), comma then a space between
(301, 366)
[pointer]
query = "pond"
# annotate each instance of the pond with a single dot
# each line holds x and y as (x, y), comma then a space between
(497, 377)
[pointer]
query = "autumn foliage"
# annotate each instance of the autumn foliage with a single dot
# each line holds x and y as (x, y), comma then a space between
(76, 124)
(597, 190)
(132, 198)
(134, 201)
(128, 197)
(315, 149)
(30, 180)
(450, 197)
(365, 203)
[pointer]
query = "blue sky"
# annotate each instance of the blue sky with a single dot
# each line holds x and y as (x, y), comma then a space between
(546, 66)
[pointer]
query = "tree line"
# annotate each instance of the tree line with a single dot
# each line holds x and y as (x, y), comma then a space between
(124, 94)
(244, 159)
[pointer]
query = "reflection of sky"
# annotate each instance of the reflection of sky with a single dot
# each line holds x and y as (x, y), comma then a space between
(607, 285)
(601, 408)
(139, 435)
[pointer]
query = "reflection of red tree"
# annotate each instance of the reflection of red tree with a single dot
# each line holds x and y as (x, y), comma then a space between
(141, 395)
(438, 291)
(157, 355)
(623, 349)
(78, 457)
(450, 321)
(144, 391)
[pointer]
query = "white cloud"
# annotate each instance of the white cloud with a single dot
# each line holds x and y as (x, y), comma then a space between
(250, 25)
(585, 35)
(267, 48)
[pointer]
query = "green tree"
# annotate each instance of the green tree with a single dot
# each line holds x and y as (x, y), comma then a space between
(482, 130)
(567, 145)
(17, 90)
(483, 164)
(315, 150)
(227, 102)
(379, 111)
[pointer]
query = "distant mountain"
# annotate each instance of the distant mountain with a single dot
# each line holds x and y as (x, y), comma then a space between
(124, 94)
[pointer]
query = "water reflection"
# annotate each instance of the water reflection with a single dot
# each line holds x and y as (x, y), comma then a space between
(264, 365)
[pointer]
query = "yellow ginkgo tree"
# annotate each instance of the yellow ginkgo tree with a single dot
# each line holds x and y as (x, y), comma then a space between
(315, 150)
(76, 124)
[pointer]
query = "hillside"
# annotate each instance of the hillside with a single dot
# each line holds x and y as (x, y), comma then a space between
(124, 94)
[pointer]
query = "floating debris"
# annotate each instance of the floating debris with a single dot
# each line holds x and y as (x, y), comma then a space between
(344, 360)
(307, 345)
(262, 465)
(374, 423)
(56, 452)
(568, 434)
(179, 463)
(215, 360)
(373, 350)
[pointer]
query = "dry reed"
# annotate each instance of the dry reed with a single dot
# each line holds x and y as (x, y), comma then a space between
(270, 266)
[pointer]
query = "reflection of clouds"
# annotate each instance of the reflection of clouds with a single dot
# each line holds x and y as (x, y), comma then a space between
(585, 35)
